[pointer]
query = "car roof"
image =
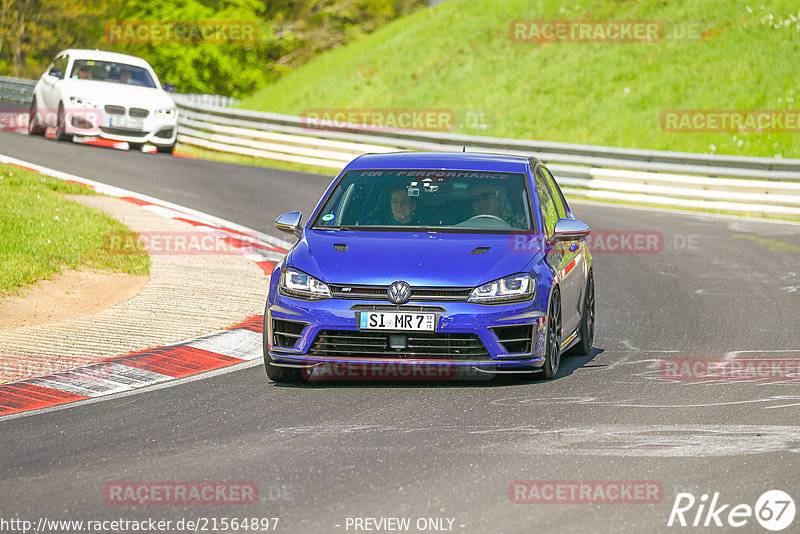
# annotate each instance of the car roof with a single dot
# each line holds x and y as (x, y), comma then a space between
(102, 55)
(467, 161)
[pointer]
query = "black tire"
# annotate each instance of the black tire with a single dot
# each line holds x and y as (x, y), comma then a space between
(584, 347)
(34, 127)
(282, 375)
(552, 358)
(61, 125)
(135, 146)
(166, 149)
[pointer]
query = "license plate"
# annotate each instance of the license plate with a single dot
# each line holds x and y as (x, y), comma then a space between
(397, 321)
(121, 121)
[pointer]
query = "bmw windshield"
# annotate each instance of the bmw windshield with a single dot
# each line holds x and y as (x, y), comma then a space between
(109, 71)
(430, 200)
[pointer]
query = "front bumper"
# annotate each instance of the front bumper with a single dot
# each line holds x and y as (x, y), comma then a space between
(304, 334)
(96, 123)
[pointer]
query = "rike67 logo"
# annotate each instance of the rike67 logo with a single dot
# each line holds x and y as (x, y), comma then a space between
(774, 510)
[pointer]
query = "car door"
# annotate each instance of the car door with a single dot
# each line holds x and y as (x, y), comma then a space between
(563, 256)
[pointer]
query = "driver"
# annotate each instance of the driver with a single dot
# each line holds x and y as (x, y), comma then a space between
(403, 207)
(488, 199)
(491, 200)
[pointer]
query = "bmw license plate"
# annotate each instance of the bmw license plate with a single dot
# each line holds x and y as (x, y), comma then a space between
(374, 320)
(121, 121)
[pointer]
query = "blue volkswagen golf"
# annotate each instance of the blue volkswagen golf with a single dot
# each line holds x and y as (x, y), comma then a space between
(415, 259)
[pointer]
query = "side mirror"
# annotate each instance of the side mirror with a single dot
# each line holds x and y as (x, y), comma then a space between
(168, 87)
(55, 72)
(570, 230)
(290, 223)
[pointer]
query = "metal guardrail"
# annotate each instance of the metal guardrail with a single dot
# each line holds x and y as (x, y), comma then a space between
(731, 183)
(16, 90)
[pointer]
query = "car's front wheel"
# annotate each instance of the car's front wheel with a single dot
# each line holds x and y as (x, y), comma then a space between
(286, 375)
(166, 149)
(34, 126)
(61, 125)
(552, 357)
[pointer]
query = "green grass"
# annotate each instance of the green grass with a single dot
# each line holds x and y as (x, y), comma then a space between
(459, 56)
(42, 233)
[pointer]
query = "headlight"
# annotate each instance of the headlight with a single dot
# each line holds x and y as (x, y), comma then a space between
(516, 288)
(78, 102)
(166, 113)
(299, 285)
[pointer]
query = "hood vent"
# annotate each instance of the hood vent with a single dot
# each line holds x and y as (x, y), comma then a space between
(341, 247)
(480, 250)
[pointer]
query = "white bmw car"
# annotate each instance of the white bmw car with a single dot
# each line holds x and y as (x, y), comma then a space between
(93, 93)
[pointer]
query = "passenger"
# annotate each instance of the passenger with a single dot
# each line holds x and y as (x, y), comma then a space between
(125, 76)
(403, 207)
(84, 73)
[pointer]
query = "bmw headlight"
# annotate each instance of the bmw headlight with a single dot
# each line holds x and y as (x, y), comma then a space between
(79, 102)
(515, 288)
(299, 285)
(165, 113)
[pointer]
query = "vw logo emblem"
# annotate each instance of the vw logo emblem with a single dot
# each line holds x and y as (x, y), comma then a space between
(399, 292)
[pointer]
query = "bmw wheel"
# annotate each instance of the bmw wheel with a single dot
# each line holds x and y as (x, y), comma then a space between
(61, 125)
(34, 127)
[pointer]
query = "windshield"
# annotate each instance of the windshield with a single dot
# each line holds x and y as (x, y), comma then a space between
(108, 71)
(437, 200)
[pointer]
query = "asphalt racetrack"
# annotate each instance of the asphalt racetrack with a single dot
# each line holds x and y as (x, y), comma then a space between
(449, 453)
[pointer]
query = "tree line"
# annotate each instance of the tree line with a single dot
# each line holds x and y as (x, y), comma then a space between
(227, 47)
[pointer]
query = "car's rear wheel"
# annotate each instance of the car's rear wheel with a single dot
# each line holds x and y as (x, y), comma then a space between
(286, 375)
(61, 125)
(584, 347)
(552, 357)
(34, 127)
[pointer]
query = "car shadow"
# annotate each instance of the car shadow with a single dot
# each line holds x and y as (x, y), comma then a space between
(569, 364)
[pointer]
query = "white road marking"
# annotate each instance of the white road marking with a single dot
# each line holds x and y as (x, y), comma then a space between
(240, 343)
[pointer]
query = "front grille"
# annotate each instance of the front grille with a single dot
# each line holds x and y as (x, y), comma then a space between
(455, 294)
(419, 345)
(515, 339)
(398, 308)
(286, 333)
(115, 110)
(128, 132)
(138, 112)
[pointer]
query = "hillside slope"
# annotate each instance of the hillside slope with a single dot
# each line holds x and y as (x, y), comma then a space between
(460, 56)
